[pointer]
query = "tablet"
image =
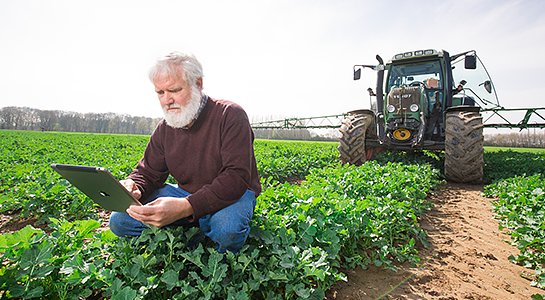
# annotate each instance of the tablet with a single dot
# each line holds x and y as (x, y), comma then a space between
(99, 185)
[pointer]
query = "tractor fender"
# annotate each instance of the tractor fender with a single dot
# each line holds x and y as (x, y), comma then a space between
(362, 111)
(463, 108)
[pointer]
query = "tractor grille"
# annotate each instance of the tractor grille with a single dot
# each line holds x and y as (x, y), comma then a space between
(401, 123)
(402, 98)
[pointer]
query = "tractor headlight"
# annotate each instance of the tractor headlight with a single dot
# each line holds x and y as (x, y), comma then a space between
(413, 107)
(391, 108)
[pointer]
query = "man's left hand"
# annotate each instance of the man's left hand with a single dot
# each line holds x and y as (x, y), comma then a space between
(162, 211)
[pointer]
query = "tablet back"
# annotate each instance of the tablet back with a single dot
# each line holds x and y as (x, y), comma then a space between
(99, 185)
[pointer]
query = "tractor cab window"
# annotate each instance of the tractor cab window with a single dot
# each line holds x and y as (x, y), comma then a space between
(425, 74)
(476, 85)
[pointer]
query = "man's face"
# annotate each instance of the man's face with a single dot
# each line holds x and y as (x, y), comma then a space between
(179, 100)
(174, 92)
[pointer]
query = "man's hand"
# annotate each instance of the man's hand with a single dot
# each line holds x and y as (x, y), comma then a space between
(162, 211)
(130, 185)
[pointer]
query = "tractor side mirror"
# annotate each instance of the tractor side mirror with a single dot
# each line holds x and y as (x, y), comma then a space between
(357, 74)
(470, 62)
(488, 86)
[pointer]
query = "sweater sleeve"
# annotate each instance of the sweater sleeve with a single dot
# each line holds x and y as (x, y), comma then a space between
(237, 158)
(151, 171)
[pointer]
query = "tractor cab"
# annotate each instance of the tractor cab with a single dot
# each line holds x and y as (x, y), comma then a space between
(414, 96)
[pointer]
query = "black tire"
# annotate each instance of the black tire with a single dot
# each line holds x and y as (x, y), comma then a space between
(352, 142)
(464, 154)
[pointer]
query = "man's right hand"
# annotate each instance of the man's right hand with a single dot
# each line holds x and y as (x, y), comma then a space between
(130, 185)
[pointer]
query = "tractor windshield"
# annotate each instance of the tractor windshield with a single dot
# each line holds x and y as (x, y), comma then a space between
(426, 73)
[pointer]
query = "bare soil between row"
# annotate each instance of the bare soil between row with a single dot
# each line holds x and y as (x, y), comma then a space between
(467, 257)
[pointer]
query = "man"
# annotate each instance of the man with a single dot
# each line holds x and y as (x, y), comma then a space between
(206, 145)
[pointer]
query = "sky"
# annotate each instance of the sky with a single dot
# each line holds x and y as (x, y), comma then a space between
(276, 58)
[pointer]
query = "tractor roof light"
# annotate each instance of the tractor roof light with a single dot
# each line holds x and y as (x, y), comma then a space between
(412, 54)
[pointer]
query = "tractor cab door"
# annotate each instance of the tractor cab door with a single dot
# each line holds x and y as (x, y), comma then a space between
(471, 83)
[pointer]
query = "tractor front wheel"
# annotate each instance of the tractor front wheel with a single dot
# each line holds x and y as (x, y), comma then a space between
(352, 142)
(464, 158)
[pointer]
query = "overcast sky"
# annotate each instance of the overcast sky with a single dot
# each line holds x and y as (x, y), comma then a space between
(275, 58)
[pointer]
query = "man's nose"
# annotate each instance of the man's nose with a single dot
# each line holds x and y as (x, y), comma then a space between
(167, 98)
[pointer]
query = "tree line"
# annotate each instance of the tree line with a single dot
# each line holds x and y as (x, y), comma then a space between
(25, 118)
(529, 138)
(292, 134)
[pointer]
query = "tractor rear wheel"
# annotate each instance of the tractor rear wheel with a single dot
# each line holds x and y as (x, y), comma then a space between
(464, 158)
(352, 142)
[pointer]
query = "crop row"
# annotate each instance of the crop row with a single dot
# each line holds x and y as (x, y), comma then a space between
(519, 207)
(518, 188)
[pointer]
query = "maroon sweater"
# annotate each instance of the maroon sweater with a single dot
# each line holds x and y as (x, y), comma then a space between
(213, 159)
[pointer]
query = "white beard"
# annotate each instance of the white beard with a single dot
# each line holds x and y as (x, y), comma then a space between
(187, 113)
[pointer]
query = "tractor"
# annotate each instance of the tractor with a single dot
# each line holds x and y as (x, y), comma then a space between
(418, 106)
(423, 100)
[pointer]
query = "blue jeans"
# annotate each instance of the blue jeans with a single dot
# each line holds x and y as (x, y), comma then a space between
(228, 227)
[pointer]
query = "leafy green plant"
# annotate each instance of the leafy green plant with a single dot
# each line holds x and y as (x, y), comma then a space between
(29, 186)
(292, 160)
(519, 207)
(37, 264)
(507, 164)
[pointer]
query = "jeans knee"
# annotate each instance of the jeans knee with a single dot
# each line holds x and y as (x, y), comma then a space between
(229, 227)
(121, 224)
(230, 238)
(115, 223)
(232, 232)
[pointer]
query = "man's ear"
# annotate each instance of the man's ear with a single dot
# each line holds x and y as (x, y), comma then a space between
(199, 83)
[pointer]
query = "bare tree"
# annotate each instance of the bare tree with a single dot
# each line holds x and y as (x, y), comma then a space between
(529, 138)
(24, 118)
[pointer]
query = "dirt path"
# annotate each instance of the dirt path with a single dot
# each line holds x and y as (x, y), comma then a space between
(467, 259)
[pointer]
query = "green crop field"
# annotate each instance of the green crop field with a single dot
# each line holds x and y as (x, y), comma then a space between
(531, 150)
(314, 220)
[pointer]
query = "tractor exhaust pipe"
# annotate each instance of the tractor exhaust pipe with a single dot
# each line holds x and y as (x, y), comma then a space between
(380, 99)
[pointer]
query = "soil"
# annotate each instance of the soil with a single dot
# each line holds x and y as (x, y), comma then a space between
(10, 222)
(467, 257)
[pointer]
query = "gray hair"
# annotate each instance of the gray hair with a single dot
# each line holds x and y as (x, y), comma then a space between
(172, 65)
